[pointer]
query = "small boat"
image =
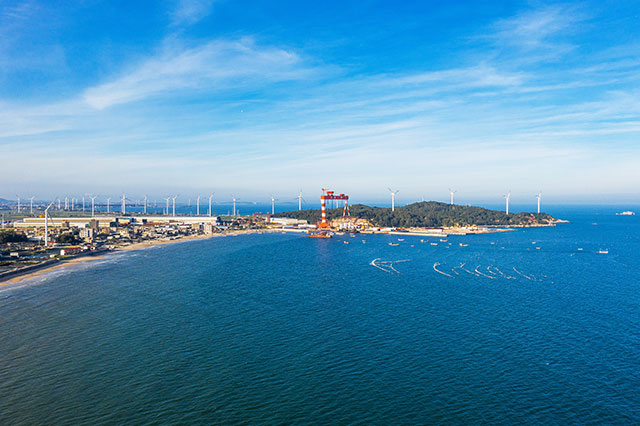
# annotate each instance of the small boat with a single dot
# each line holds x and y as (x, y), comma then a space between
(579, 248)
(464, 245)
(400, 239)
(346, 242)
(443, 241)
(537, 248)
(394, 244)
(606, 251)
(434, 244)
(321, 234)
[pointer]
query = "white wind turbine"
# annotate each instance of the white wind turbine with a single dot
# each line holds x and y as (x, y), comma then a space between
(166, 211)
(93, 203)
(83, 203)
(46, 224)
(73, 203)
(58, 203)
(507, 197)
(539, 196)
(451, 192)
(210, 198)
(108, 201)
(18, 203)
(31, 206)
(300, 200)
(66, 203)
(174, 204)
(393, 198)
(145, 203)
(198, 206)
(234, 204)
(273, 205)
(124, 203)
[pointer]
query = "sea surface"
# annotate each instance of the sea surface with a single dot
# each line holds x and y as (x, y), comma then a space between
(532, 326)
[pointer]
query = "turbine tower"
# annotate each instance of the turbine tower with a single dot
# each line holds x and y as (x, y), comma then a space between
(174, 204)
(393, 198)
(145, 204)
(31, 207)
(539, 196)
(273, 205)
(234, 204)
(451, 192)
(210, 211)
(83, 203)
(18, 203)
(300, 200)
(108, 200)
(124, 204)
(58, 203)
(166, 211)
(507, 197)
(46, 223)
(198, 206)
(93, 199)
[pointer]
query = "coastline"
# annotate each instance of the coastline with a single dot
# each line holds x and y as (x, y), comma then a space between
(29, 275)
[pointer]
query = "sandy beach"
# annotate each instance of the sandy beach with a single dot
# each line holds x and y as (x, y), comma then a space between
(136, 246)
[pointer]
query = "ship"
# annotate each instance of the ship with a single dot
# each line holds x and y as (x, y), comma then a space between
(320, 234)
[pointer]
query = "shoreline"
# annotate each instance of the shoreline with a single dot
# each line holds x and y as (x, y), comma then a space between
(38, 272)
(62, 263)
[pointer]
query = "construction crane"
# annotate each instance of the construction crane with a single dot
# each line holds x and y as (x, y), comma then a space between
(330, 195)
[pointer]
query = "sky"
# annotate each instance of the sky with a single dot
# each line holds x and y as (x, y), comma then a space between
(255, 98)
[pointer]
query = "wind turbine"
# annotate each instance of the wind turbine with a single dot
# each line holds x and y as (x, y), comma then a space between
(108, 201)
(93, 199)
(507, 198)
(145, 203)
(31, 207)
(66, 203)
(73, 203)
(210, 211)
(198, 206)
(83, 203)
(393, 198)
(451, 192)
(166, 212)
(539, 196)
(234, 204)
(58, 203)
(300, 200)
(174, 204)
(46, 224)
(273, 205)
(124, 204)
(18, 203)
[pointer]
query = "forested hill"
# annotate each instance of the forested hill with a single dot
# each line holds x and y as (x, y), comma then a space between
(429, 214)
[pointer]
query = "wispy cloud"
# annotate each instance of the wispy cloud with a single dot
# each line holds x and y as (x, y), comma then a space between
(211, 66)
(188, 12)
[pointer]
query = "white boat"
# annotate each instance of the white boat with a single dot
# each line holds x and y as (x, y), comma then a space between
(603, 251)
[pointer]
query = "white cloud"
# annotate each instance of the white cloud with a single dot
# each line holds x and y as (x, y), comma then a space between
(228, 63)
(191, 11)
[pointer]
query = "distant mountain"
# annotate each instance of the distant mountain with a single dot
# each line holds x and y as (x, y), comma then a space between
(428, 214)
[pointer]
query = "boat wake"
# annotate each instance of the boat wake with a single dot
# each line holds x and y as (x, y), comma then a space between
(387, 265)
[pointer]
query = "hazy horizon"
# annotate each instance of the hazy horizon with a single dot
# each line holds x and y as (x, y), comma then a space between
(253, 99)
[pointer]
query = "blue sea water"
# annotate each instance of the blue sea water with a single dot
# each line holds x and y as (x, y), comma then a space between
(281, 329)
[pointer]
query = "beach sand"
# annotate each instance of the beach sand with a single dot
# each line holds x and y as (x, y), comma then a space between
(136, 246)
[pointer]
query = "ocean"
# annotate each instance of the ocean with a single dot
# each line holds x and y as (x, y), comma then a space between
(533, 326)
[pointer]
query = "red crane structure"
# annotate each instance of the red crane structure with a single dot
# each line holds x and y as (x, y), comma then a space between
(330, 195)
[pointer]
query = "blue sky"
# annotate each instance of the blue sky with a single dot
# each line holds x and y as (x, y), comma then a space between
(259, 98)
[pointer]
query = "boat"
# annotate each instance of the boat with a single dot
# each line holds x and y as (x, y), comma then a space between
(346, 242)
(434, 244)
(626, 213)
(400, 239)
(443, 241)
(393, 244)
(321, 234)
(464, 245)
(606, 251)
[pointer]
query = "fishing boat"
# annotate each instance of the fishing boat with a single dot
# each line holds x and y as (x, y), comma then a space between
(606, 251)
(464, 245)
(321, 234)
(394, 244)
